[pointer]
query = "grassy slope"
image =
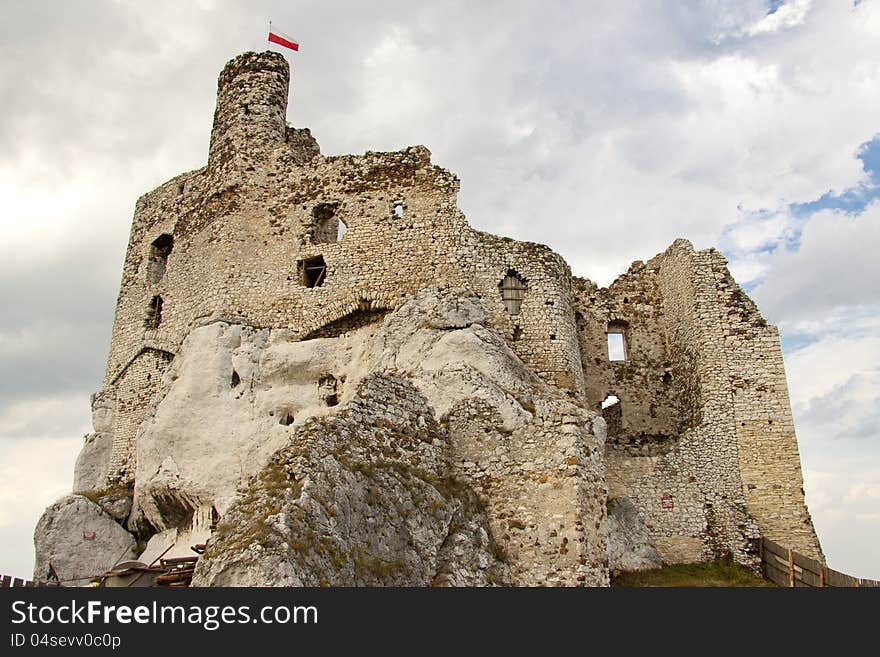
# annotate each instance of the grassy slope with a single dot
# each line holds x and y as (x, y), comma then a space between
(713, 573)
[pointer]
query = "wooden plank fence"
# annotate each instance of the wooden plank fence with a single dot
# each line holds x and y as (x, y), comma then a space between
(780, 565)
(785, 567)
(9, 582)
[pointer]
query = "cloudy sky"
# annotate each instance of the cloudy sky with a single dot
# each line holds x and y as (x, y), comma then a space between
(605, 129)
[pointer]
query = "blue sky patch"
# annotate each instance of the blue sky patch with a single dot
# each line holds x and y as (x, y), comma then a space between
(854, 199)
(869, 154)
(851, 201)
(792, 342)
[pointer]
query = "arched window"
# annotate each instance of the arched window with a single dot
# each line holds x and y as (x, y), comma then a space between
(160, 249)
(512, 292)
(327, 227)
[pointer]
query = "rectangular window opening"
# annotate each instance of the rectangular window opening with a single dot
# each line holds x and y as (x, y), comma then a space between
(313, 271)
(616, 347)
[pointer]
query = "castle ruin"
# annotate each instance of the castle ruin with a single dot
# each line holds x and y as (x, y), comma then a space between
(665, 389)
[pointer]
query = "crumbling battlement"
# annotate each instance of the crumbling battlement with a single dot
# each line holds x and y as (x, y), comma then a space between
(702, 439)
(271, 234)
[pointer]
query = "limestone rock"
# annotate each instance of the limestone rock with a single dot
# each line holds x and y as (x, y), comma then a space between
(179, 542)
(115, 503)
(75, 540)
(93, 462)
(630, 546)
(456, 311)
(255, 387)
(240, 404)
(470, 556)
(360, 499)
(193, 447)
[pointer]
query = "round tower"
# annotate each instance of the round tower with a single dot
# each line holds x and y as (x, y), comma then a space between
(249, 120)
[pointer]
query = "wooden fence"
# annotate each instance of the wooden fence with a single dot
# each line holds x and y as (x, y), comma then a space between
(8, 582)
(780, 565)
(786, 567)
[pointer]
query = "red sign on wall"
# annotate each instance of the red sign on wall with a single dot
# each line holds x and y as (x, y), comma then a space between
(666, 501)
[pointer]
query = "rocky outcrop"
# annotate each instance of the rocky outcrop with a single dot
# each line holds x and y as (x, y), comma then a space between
(630, 545)
(93, 462)
(76, 540)
(415, 450)
(115, 502)
(361, 499)
(508, 457)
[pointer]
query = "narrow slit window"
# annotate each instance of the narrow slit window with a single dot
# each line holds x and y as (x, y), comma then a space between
(313, 271)
(512, 292)
(616, 346)
(154, 313)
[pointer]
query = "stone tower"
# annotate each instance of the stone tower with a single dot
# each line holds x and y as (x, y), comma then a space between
(249, 119)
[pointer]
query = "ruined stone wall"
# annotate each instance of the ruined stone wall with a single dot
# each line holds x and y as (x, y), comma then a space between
(685, 483)
(271, 234)
(246, 265)
(244, 229)
(134, 389)
(645, 381)
(706, 455)
(727, 386)
(769, 463)
(543, 334)
(544, 486)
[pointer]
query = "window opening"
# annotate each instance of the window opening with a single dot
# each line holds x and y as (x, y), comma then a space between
(154, 313)
(612, 412)
(327, 228)
(616, 349)
(512, 292)
(160, 249)
(313, 271)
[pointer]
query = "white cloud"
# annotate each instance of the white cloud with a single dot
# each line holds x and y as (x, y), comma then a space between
(605, 132)
(37, 419)
(791, 14)
(835, 267)
(863, 492)
(33, 474)
(842, 494)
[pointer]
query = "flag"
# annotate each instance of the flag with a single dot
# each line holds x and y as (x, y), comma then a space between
(282, 39)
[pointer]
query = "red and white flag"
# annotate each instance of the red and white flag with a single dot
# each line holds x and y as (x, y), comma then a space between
(282, 39)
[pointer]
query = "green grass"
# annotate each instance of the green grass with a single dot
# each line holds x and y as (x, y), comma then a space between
(722, 572)
(95, 495)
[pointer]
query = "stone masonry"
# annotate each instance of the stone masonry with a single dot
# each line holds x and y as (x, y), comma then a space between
(272, 235)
